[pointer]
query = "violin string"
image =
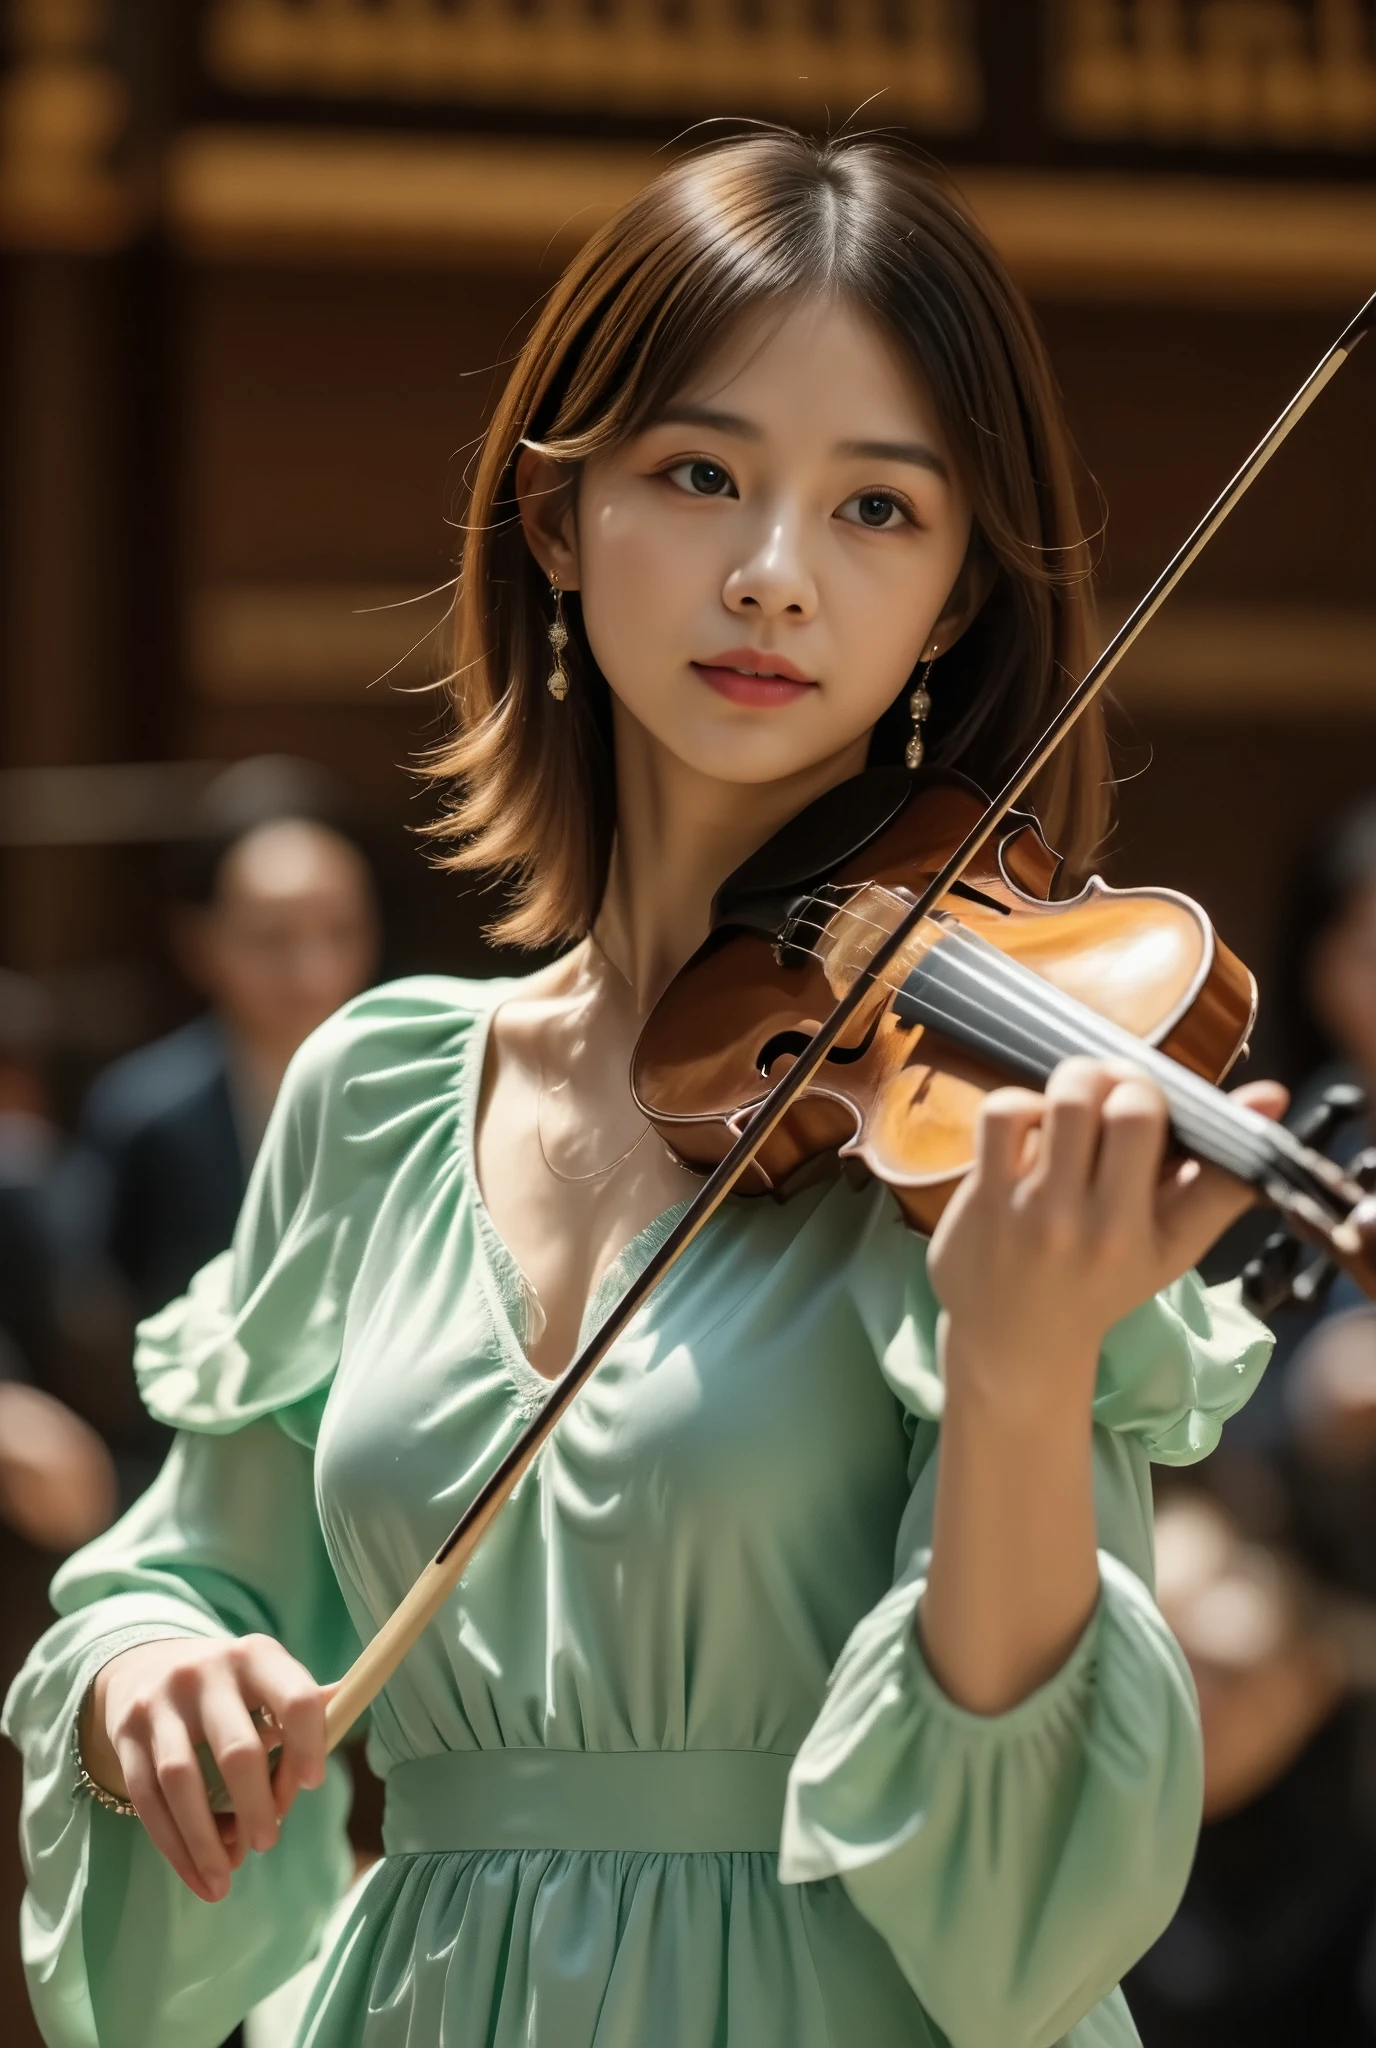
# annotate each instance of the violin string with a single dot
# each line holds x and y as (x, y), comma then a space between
(1063, 1025)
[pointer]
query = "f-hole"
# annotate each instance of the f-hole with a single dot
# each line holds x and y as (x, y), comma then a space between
(796, 1042)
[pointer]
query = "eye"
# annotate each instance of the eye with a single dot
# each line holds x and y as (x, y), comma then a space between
(702, 478)
(876, 509)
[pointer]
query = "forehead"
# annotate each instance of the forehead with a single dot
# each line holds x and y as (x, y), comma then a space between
(819, 364)
(285, 860)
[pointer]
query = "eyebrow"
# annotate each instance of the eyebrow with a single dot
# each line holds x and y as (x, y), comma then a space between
(915, 453)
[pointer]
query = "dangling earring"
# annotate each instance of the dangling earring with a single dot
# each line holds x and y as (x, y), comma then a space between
(920, 705)
(558, 681)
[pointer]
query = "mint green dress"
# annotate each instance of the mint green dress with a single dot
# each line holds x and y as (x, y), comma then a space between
(668, 1771)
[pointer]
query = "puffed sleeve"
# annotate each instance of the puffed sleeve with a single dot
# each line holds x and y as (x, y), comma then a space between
(1018, 1863)
(227, 1541)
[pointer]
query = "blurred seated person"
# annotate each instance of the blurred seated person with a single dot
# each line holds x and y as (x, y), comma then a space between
(1330, 986)
(29, 1148)
(278, 928)
(1272, 1945)
(1326, 1002)
(57, 1480)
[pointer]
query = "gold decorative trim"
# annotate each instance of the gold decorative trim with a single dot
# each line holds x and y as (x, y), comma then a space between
(640, 56)
(1261, 662)
(312, 643)
(1086, 235)
(281, 195)
(385, 199)
(359, 644)
(64, 110)
(1230, 74)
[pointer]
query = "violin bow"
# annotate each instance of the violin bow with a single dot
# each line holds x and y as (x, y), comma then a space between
(381, 1656)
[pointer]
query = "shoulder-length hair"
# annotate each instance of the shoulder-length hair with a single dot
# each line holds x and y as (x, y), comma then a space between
(530, 781)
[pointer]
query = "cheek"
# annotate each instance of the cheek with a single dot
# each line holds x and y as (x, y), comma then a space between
(636, 585)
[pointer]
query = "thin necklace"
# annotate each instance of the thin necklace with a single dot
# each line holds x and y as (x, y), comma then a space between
(598, 1172)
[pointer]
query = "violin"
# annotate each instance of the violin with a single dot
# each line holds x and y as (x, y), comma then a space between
(872, 972)
(998, 983)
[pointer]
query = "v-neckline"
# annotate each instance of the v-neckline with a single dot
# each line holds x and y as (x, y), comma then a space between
(512, 1292)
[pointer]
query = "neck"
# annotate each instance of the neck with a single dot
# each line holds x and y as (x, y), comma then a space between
(679, 834)
(256, 1070)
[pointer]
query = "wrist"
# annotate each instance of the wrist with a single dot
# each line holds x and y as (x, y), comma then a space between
(94, 1752)
(1021, 1387)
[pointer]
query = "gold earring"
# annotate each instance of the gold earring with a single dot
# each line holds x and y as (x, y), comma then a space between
(920, 705)
(558, 680)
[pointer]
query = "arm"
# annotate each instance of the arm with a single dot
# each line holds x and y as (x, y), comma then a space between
(1067, 1224)
(224, 1546)
(1018, 1821)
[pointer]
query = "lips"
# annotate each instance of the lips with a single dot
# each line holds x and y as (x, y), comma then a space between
(745, 676)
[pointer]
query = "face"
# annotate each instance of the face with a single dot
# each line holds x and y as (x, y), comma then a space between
(291, 934)
(762, 569)
(1343, 982)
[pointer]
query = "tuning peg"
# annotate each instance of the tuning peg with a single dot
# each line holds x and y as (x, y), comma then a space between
(1268, 1279)
(1340, 1102)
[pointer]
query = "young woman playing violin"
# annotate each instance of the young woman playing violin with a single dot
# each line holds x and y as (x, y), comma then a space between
(809, 1689)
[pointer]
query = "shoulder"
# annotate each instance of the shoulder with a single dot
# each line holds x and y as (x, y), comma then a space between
(153, 1083)
(394, 1049)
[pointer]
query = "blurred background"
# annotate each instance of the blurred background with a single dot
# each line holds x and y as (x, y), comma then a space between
(262, 266)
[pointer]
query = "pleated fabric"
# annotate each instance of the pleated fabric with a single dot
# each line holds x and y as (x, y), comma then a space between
(722, 1549)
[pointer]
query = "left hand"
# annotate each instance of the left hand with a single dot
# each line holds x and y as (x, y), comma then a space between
(1070, 1218)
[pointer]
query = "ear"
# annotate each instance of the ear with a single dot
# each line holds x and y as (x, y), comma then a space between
(968, 593)
(545, 495)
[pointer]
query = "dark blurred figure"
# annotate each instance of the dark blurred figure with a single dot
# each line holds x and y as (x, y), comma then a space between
(1270, 1587)
(1274, 1943)
(1329, 990)
(276, 925)
(56, 1478)
(29, 1151)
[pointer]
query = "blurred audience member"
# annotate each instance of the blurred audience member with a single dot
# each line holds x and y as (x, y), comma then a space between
(57, 1483)
(1329, 985)
(57, 1480)
(276, 924)
(29, 1145)
(1272, 1945)
(277, 927)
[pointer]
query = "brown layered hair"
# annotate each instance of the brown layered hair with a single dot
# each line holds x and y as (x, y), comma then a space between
(530, 782)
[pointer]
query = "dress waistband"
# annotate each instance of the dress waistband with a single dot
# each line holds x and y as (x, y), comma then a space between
(670, 1801)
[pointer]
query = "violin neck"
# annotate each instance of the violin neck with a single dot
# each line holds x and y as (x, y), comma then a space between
(972, 993)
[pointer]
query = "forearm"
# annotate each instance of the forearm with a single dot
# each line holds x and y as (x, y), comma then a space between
(1014, 1576)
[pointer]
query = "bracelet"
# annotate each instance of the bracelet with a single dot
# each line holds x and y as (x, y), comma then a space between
(86, 1784)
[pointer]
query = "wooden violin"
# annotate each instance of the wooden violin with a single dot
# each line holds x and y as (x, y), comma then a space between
(997, 983)
(872, 972)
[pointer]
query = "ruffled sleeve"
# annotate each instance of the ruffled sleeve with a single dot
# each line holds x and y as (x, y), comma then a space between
(226, 1542)
(1017, 1864)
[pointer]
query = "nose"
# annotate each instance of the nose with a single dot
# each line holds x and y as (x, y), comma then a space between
(775, 581)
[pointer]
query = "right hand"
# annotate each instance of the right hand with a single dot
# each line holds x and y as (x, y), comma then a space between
(151, 1706)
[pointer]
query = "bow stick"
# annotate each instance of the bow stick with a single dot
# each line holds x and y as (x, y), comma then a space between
(376, 1663)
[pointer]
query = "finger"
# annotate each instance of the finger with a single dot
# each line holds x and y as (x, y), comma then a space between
(1194, 1206)
(1267, 1098)
(1135, 1128)
(179, 1780)
(240, 1758)
(1006, 1120)
(162, 1829)
(296, 1703)
(1075, 1096)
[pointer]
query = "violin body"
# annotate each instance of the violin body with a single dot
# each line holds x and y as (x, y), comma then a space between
(899, 1097)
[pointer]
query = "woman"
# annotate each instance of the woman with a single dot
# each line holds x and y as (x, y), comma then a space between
(755, 1721)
